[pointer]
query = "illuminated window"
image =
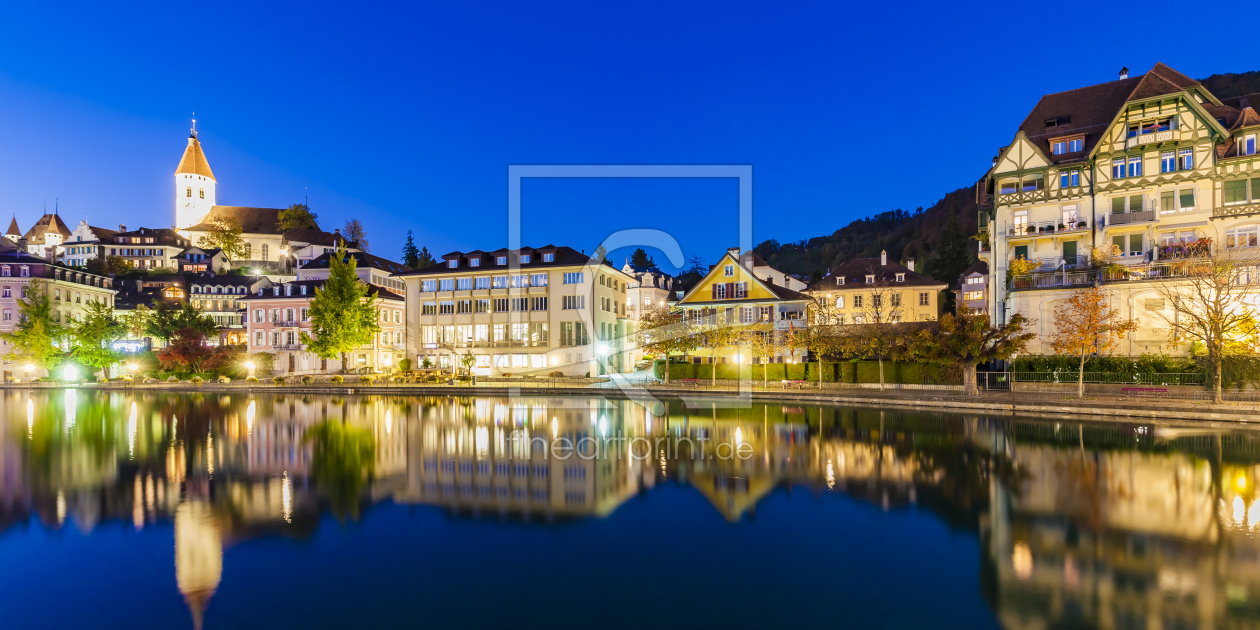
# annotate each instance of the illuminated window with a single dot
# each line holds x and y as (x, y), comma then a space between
(202, 192)
(189, 192)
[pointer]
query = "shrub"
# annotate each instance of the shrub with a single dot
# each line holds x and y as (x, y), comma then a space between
(173, 379)
(506, 374)
(308, 379)
(404, 365)
(556, 374)
(367, 379)
(278, 380)
(337, 378)
(251, 379)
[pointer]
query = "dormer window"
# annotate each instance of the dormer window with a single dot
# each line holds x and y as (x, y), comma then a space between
(901, 277)
(524, 258)
(453, 263)
(500, 260)
(549, 257)
(870, 279)
(303, 289)
(474, 262)
(1058, 122)
(839, 281)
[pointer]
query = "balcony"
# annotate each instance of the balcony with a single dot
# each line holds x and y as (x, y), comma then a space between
(1053, 280)
(285, 323)
(1045, 228)
(1239, 210)
(1158, 137)
(1127, 218)
(287, 347)
(1021, 197)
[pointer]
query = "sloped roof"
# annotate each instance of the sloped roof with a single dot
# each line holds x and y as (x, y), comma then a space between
(855, 271)
(1088, 110)
(13, 228)
(252, 220)
(373, 291)
(362, 259)
(981, 267)
(1248, 118)
(317, 237)
(564, 257)
(102, 234)
(49, 223)
(194, 160)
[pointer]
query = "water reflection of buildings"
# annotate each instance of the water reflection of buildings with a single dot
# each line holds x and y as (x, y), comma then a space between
(1108, 526)
(1124, 527)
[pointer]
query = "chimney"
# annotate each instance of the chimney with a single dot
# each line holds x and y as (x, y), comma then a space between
(1124, 73)
(910, 264)
(883, 258)
(122, 228)
(733, 251)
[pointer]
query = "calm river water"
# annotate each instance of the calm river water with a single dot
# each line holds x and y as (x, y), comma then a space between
(266, 511)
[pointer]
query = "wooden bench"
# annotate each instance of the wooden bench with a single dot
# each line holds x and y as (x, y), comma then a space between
(1143, 390)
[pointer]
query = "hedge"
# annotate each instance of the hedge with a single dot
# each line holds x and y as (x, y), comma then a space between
(832, 372)
(1145, 364)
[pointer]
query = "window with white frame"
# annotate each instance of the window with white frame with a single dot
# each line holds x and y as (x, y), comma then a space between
(1241, 236)
(1248, 145)
(573, 277)
(428, 286)
(1185, 159)
(464, 284)
(500, 260)
(446, 284)
(1069, 178)
(870, 278)
(1075, 145)
(452, 263)
(1058, 148)
(538, 280)
(548, 257)
(1168, 161)
(1117, 168)
(474, 262)
(901, 277)
(728, 271)
(525, 258)
(1068, 215)
(1135, 166)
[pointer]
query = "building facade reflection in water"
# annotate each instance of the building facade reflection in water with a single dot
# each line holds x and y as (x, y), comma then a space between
(1108, 526)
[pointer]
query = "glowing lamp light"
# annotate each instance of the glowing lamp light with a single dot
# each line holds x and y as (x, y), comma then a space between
(602, 349)
(71, 373)
(249, 365)
(29, 367)
(737, 357)
(131, 366)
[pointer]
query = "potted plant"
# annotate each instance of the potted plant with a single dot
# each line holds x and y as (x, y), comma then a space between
(337, 378)
(308, 379)
(278, 380)
(1062, 227)
(367, 379)
(1081, 224)
(251, 379)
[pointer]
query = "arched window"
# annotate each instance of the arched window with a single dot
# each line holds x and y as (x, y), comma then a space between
(202, 191)
(189, 193)
(264, 252)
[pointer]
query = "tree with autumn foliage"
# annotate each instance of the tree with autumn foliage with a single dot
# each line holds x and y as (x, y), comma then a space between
(967, 340)
(186, 352)
(1210, 301)
(664, 333)
(1087, 323)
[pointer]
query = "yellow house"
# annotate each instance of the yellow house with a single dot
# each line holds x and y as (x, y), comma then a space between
(732, 294)
(875, 291)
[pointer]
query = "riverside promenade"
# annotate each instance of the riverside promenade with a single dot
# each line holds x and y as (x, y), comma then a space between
(1058, 401)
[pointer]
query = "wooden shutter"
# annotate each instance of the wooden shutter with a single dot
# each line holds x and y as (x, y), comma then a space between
(730, 290)
(714, 288)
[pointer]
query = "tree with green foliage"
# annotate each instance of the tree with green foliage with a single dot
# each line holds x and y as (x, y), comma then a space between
(410, 255)
(226, 234)
(640, 259)
(165, 320)
(425, 259)
(108, 265)
(952, 254)
(136, 321)
(343, 460)
(967, 340)
(34, 340)
(297, 217)
(94, 336)
(343, 316)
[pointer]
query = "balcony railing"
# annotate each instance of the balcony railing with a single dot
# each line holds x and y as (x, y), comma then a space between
(290, 323)
(1168, 135)
(1044, 228)
(1125, 218)
(1025, 196)
(1236, 210)
(1054, 279)
(292, 347)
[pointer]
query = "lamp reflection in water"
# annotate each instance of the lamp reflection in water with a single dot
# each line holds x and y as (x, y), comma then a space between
(286, 498)
(71, 403)
(30, 419)
(132, 427)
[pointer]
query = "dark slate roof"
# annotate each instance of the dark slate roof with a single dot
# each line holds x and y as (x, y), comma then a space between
(225, 280)
(855, 271)
(102, 234)
(317, 237)
(373, 291)
(252, 220)
(981, 267)
(565, 257)
(363, 259)
(160, 236)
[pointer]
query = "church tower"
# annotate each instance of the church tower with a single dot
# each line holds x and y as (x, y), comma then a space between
(194, 185)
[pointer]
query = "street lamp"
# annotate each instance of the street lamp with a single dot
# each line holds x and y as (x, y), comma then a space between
(249, 365)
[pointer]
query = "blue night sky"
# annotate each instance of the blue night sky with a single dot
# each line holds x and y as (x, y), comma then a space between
(406, 115)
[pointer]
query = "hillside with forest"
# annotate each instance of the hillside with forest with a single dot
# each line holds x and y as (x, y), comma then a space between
(938, 237)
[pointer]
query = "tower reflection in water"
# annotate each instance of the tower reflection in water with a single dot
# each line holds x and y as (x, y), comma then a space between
(1112, 526)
